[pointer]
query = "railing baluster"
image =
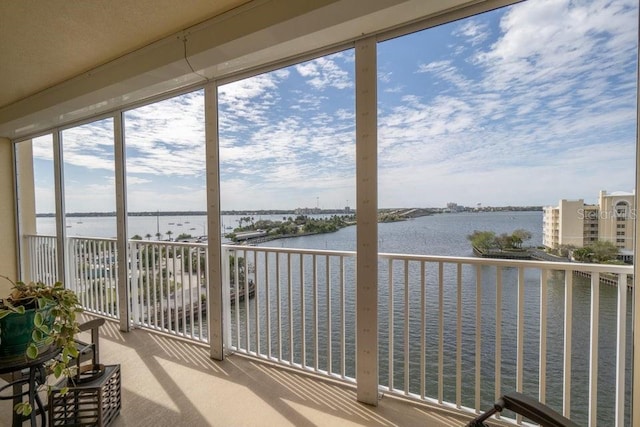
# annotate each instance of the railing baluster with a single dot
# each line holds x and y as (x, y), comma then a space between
(568, 310)
(520, 332)
(153, 282)
(236, 278)
(43, 263)
(290, 302)
(267, 307)
(440, 332)
(110, 284)
(47, 268)
(593, 353)
(247, 314)
(145, 278)
(257, 300)
(160, 274)
(391, 340)
(199, 255)
(167, 283)
(82, 253)
(423, 329)
(621, 350)
(314, 302)
(176, 307)
(303, 320)
(134, 284)
(498, 343)
(90, 263)
(407, 308)
(34, 261)
(278, 306)
(186, 293)
(343, 328)
(267, 302)
(542, 393)
(478, 334)
(327, 275)
(103, 276)
(40, 251)
(520, 337)
(458, 335)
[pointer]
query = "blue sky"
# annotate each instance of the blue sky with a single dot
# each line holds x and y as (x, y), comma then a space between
(521, 106)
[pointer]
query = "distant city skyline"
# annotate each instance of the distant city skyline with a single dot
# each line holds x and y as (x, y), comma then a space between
(525, 105)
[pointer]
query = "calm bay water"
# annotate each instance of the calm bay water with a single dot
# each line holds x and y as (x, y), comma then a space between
(446, 234)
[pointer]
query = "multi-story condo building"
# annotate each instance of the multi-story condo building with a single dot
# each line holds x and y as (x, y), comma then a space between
(575, 223)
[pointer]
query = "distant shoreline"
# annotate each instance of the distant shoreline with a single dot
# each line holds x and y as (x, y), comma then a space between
(285, 212)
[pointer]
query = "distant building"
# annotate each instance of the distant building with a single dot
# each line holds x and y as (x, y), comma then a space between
(307, 211)
(575, 223)
(454, 207)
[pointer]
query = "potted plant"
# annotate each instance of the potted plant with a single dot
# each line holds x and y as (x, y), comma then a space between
(35, 317)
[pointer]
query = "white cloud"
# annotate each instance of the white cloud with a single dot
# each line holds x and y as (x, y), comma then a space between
(475, 32)
(446, 71)
(325, 72)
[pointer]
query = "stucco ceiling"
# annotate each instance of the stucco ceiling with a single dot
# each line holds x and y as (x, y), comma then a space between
(46, 42)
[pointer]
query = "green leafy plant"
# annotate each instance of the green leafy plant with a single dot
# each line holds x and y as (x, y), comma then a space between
(54, 324)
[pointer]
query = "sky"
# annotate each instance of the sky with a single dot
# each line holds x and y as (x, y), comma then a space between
(525, 105)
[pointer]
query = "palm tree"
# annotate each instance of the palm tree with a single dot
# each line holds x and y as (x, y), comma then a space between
(169, 233)
(158, 235)
(147, 236)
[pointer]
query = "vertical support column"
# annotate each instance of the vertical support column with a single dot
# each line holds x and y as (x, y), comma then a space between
(367, 226)
(215, 302)
(635, 327)
(9, 248)
(122, 248)
(61, 229)
(26, 204)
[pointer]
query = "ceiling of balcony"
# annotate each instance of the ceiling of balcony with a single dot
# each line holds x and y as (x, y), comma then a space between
(45, 42)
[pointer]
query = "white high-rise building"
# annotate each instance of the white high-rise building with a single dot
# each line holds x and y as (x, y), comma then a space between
(575, 223)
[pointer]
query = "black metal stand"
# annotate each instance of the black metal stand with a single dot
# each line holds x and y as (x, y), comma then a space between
(36, 376)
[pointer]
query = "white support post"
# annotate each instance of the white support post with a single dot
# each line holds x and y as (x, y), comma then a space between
(635, 327)
(215, 302)
(122, 248)
(593, 352)
(620, 353)
(367, 226)
(61, 233)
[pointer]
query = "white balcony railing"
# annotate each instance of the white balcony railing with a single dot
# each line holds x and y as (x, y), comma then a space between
(168, 287)
(453, 331)
(92, 274)
(42, 258)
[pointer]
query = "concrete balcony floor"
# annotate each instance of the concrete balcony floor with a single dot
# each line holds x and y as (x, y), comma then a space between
(168, 382)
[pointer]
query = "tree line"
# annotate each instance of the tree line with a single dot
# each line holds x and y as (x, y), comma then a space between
(489, 240)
